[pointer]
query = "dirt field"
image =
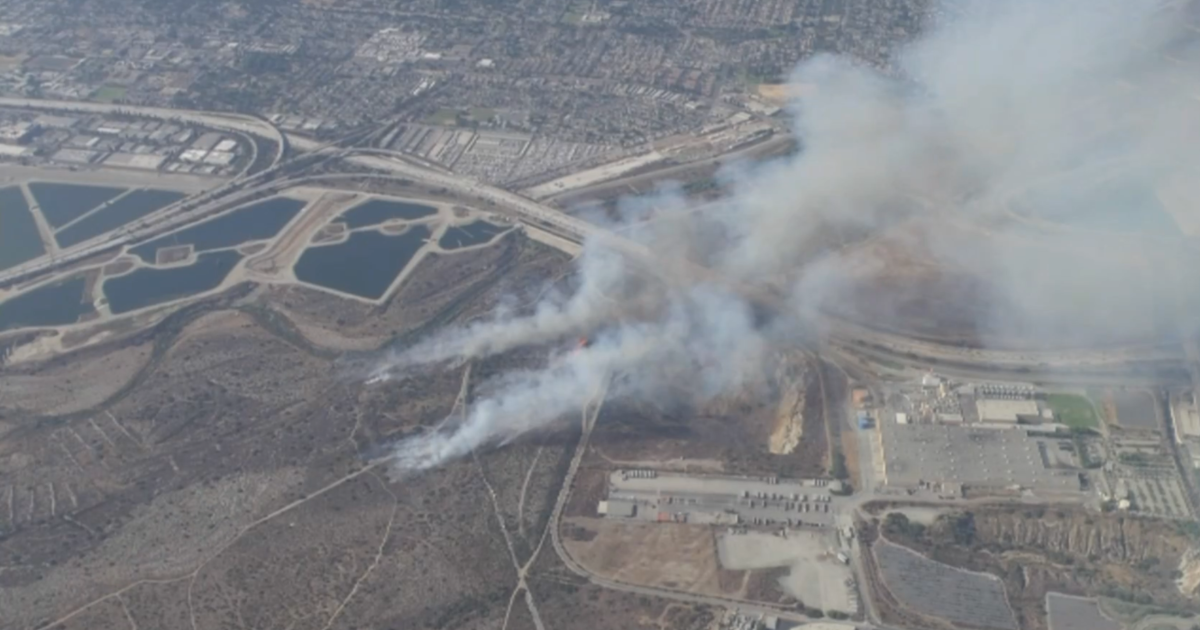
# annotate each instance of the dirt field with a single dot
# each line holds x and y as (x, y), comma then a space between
(668, 555)
(216, 472)
(806, 569)
(781, 93)
(64, 387)
(589, 606)
(118, 267)
(215, 477)
(731, 433)
(169, 255)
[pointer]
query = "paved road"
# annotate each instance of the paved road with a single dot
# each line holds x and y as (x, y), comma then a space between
(899, 345)
(677, 171)
(216, 120)
(1114, 373)
(540, 214)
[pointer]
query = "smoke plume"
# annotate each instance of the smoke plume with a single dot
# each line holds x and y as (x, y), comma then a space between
(1002, 177)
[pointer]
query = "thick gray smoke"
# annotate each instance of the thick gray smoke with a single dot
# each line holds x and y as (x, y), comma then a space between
(1019, 147)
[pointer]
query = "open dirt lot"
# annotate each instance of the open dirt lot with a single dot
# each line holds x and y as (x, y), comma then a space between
(730, 434)
(668, 555)
(813, 575)
(70, 385)
(782, 93)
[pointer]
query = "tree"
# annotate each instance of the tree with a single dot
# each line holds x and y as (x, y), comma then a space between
(839, 470)
(895, 523)
(964, 529)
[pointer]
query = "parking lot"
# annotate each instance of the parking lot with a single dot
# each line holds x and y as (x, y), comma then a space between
(1158, 495)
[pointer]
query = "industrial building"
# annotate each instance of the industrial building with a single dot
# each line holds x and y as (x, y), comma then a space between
(142, 161)
(953, 456)
(719, 500)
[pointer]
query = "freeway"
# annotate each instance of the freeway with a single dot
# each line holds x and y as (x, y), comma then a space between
(897, 345)
(187, 210)
(525, 209)
(621, 185)
(901, 347)
(1117, 373)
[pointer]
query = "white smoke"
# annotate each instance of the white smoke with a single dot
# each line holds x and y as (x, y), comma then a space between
(703, 346)
(1006, 114)
(595, 301)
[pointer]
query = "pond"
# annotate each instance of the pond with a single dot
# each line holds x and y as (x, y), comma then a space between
(377, 211)
(19, 238)
(127, 209)
(364, 265)
(55, 304)
(148, 286)
(255, 222)
(62, 203)
(476, 233)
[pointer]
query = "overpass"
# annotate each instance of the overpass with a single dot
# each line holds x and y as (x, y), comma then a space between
(900, 346)
(1014, 363)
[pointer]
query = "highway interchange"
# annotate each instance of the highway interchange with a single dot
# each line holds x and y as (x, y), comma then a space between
(286, 171)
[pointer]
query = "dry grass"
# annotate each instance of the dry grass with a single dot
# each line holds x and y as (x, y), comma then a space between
(781, 93)
(60, 387)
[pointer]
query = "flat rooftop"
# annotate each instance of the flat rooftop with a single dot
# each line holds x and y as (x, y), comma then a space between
(701, 498)
(932, 453)
(672, 484)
